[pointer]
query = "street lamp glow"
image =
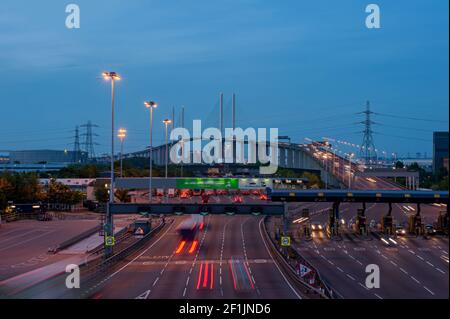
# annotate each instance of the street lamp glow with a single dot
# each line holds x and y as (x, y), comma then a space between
(111, 75)
(122, 133)
(150, 104)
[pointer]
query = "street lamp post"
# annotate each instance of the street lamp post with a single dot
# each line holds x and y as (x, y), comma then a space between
(122, 133)
(350, 170)
(150, 105)
(166, 123)
(113, 76)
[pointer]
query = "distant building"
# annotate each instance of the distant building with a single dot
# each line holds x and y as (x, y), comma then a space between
(31, 168)
(46, 157)
(425, 163)
(80, 184)
(440, 151)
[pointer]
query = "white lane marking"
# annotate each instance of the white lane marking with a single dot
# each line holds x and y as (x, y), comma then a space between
(184, 291)
(156, 280)
(246, 258)
(144, 295)
(377, 296)
(27, 240)
(415, 279)
(340, 269)
(428, 290)
(403, 270)
(393, 263)
(430, 264)
(187, 280)
(276, 265)
(363, 286)
(420, 257)
(138, 256)
(440, 270)
(350, 277)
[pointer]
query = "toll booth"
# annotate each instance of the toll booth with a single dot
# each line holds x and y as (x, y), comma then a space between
(333, 224)
(306, 226)
(415, 225)
(442, 222)
(142, 227)
(387, 225)
(361, 222)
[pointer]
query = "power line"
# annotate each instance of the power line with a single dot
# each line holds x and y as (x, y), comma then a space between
(410, 118)
(404, 137)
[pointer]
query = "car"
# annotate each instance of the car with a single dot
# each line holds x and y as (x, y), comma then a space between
(255, 192)
(316, 226)
(245, 192)
(373, 224)
(400, 230)
(430, 230)
(237, 199)
(184, 195)
(210, 192)
(221, 192)
(263, 197)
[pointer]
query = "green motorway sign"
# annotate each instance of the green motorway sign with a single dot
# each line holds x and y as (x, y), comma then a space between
(205, 183)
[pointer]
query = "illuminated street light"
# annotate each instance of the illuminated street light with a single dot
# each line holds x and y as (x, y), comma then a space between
(150, 105)
(350, 169)
(122, 133)
(166, 123)
(109, 232)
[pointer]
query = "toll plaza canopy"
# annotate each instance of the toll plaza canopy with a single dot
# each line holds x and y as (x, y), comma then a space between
(375, 196)
(190, 183)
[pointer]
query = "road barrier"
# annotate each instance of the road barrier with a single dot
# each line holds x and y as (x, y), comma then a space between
(322, 291)
(74, 240)
(94, 270)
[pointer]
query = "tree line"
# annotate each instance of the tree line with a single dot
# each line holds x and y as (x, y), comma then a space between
(25, 188)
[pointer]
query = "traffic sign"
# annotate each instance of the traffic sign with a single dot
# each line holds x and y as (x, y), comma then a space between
(110, 241)
(285, 241)
(139, 231)
(304, 270)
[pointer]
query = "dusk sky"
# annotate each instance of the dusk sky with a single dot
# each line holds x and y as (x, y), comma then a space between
(306, 67)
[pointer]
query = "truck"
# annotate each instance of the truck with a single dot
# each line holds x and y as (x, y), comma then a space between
(188, 228)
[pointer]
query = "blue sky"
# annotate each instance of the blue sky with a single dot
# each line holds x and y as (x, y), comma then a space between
(306, 67)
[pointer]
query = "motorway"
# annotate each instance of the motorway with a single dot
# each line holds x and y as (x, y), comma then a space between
(344, 170)
(410, 267)
(228, 258)
(168, 269)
